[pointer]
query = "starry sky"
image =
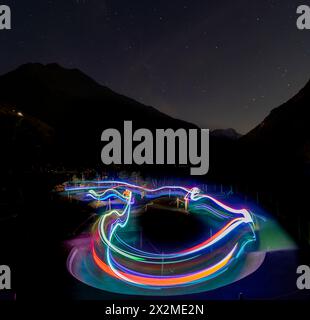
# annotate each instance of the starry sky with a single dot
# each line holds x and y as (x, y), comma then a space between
(218, 64)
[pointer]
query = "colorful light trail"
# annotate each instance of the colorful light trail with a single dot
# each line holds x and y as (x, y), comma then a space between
(113, 246)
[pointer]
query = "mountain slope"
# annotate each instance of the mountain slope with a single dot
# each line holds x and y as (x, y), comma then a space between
(76, 107)
(51, 91)
(230, 133)
(280, 146)
(291, 119)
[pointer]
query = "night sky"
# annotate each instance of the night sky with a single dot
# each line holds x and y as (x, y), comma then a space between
(218, 64)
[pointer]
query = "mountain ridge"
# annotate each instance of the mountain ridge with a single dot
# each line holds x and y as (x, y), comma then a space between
(293, 114)
(37, 83)
(75, 107)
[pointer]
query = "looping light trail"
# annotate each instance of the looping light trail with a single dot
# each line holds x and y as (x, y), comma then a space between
(114, 256)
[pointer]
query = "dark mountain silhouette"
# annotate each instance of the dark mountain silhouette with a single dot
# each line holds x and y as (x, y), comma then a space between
(75, 108)
(273, 161)
(280, 145)
(291, 117)
(226, 134)
(61, 96)
(64, 113)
